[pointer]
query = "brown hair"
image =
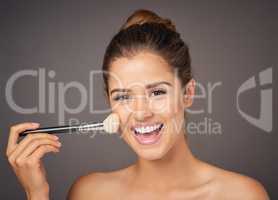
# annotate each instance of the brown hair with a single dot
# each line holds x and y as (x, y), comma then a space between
(146, 16)
(145, 30)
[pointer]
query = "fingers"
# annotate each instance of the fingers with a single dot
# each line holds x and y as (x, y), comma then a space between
(42, 150)
(24, 152)
(33, 159)
(14, 134)
(29, 138)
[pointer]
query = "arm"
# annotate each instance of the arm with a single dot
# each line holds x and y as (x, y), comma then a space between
(25, 159)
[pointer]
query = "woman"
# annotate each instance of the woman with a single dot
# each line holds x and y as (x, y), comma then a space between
(149, 85)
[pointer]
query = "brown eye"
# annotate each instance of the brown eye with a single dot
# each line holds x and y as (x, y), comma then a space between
(158, 92)
(121, 97)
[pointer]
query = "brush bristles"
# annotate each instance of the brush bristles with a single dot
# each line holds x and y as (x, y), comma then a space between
(111, 123)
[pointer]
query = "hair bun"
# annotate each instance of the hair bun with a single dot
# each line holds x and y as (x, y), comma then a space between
(146, 16)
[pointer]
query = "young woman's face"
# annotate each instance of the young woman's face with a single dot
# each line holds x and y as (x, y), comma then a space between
(148, 97)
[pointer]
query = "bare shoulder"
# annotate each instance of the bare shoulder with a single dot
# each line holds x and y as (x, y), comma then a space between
(87, 186)
(232, 185)
(97, 185)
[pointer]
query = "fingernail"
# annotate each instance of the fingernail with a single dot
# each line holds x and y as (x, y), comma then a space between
(56, 137)
(35, 124)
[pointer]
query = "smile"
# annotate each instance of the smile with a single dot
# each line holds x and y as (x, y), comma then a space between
(149, 134)
(148, 129)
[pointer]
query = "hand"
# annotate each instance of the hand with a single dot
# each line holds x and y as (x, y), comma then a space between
(25, 158)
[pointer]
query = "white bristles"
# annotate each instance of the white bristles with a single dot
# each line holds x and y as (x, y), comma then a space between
(111, 123)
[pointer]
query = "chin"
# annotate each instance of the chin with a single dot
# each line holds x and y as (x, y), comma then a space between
(156, 152)
(150, 155)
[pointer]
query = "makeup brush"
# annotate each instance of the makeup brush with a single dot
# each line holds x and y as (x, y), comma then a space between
(109, 125)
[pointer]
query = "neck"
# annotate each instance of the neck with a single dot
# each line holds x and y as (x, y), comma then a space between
(177, 165)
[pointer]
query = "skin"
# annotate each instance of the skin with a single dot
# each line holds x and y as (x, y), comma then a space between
(166, 170)
(25, 158)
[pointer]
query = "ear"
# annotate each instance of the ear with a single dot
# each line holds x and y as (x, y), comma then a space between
(189, 93)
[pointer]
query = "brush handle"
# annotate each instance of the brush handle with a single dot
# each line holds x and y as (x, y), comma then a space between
(64, 129)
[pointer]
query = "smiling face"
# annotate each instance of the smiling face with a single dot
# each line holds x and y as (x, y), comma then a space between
(149, 99)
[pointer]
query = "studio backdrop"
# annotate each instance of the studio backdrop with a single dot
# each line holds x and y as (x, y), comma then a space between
(50, 60)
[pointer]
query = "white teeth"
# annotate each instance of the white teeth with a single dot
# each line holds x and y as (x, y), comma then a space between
(147, 129)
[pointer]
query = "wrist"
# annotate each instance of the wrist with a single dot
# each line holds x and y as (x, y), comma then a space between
(37, 196)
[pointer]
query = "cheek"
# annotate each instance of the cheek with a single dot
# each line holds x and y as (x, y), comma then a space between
(169, 106)
(174, 112)
(160, 106)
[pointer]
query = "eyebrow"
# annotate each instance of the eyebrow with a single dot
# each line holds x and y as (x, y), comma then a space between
(148, 86)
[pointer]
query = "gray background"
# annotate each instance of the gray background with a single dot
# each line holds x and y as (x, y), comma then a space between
(229, 41)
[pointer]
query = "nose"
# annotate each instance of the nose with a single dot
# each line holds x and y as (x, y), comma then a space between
(142, 109)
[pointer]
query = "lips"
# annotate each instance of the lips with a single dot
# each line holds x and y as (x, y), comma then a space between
(145, 125)
(147, 135)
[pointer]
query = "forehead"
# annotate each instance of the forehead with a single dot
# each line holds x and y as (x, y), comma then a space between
(139, 70)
